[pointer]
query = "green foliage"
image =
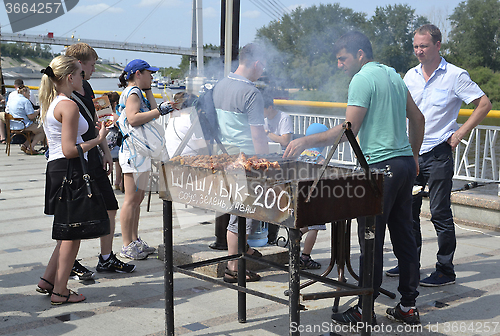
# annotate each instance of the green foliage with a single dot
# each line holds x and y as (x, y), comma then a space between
(489, 81)
(475, 37)
(174, 73)
(304, 40)
(391, 33)
(18, 50)
(210, 71)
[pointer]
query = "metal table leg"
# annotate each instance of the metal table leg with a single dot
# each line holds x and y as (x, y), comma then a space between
(368, 267)
(169, 265)
(294, 280)
(242, 266)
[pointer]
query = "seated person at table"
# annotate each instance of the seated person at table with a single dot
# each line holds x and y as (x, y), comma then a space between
(277, 124)
(21, 107)
(180, 123)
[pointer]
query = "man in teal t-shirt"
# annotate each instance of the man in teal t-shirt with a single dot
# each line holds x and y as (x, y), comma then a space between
(378, 106)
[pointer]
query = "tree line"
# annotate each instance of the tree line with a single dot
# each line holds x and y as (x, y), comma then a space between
(303, 42)
(19, 49)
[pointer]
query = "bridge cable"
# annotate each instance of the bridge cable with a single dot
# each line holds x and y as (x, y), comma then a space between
(265, 10)
(285, 9)
(270, 8)
(147, 16)
(69, 31)
(279, 8)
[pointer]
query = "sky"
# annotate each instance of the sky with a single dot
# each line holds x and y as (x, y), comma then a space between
(168, 22)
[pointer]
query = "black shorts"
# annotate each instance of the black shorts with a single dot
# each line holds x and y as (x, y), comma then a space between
(101, 178)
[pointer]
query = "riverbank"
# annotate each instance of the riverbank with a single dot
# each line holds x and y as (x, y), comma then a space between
(29, 68)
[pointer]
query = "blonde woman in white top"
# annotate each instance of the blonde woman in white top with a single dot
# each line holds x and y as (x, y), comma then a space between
(63, 126)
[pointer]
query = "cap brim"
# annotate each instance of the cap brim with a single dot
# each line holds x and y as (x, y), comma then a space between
(154, 69)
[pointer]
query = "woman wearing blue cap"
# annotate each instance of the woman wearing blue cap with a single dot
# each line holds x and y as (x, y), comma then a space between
(136, 79)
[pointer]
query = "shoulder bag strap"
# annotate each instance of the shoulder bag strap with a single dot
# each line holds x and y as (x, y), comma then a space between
(86, 176)
(75, 97)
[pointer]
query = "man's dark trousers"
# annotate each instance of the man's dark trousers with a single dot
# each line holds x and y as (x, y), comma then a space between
(397, 217)
(436, 170)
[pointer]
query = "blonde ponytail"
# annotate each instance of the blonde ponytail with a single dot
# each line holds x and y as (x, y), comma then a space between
(58, 70)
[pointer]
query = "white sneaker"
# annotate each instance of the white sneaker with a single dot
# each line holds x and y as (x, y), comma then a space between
(144, 247)
(132, 252)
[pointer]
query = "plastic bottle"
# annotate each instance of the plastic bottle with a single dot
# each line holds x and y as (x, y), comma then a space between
(259, 237)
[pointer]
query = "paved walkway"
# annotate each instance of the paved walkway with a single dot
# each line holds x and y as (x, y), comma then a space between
(133, 304)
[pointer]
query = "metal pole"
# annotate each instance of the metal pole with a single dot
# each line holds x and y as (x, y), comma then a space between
(229, 37)
(2, 88)
(193, 41)
(242, 266)
(236, 31)
(222, 29)
(199, 37)
(368, 267)
(169, 265)
(294, 280)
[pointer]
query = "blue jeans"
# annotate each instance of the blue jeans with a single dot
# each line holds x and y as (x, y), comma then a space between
(397, 217)
(436, 170)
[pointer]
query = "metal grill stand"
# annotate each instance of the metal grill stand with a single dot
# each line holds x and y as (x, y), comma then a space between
(303, 213)
(293, 302)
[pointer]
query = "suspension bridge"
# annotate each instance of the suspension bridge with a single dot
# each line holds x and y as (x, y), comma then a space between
(66, 41)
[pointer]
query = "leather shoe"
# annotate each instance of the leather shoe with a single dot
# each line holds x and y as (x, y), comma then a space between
(217, 246)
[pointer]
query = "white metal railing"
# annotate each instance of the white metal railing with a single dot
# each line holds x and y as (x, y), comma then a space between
(475, 158)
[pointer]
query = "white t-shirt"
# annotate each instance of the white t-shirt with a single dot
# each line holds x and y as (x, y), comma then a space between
(279, 125)
(52, 128)
(177, 127)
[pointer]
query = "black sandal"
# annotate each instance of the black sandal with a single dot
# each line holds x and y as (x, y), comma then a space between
(309, 263)
(255, 253)
(43, 290)
(54, 303)
(232, 276)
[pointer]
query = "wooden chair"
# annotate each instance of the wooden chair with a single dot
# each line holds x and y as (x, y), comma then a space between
(23, 131)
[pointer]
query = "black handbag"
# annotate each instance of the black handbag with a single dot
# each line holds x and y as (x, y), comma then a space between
(80, 211)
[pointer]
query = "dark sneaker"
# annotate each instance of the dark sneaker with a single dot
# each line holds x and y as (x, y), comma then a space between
(113, 264)
(393, 272)
(411, 317)
(351, 316)
(80, 272)
(216, 246)
(437, 279)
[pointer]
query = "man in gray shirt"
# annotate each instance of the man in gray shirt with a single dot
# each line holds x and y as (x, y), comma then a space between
(240, 114)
